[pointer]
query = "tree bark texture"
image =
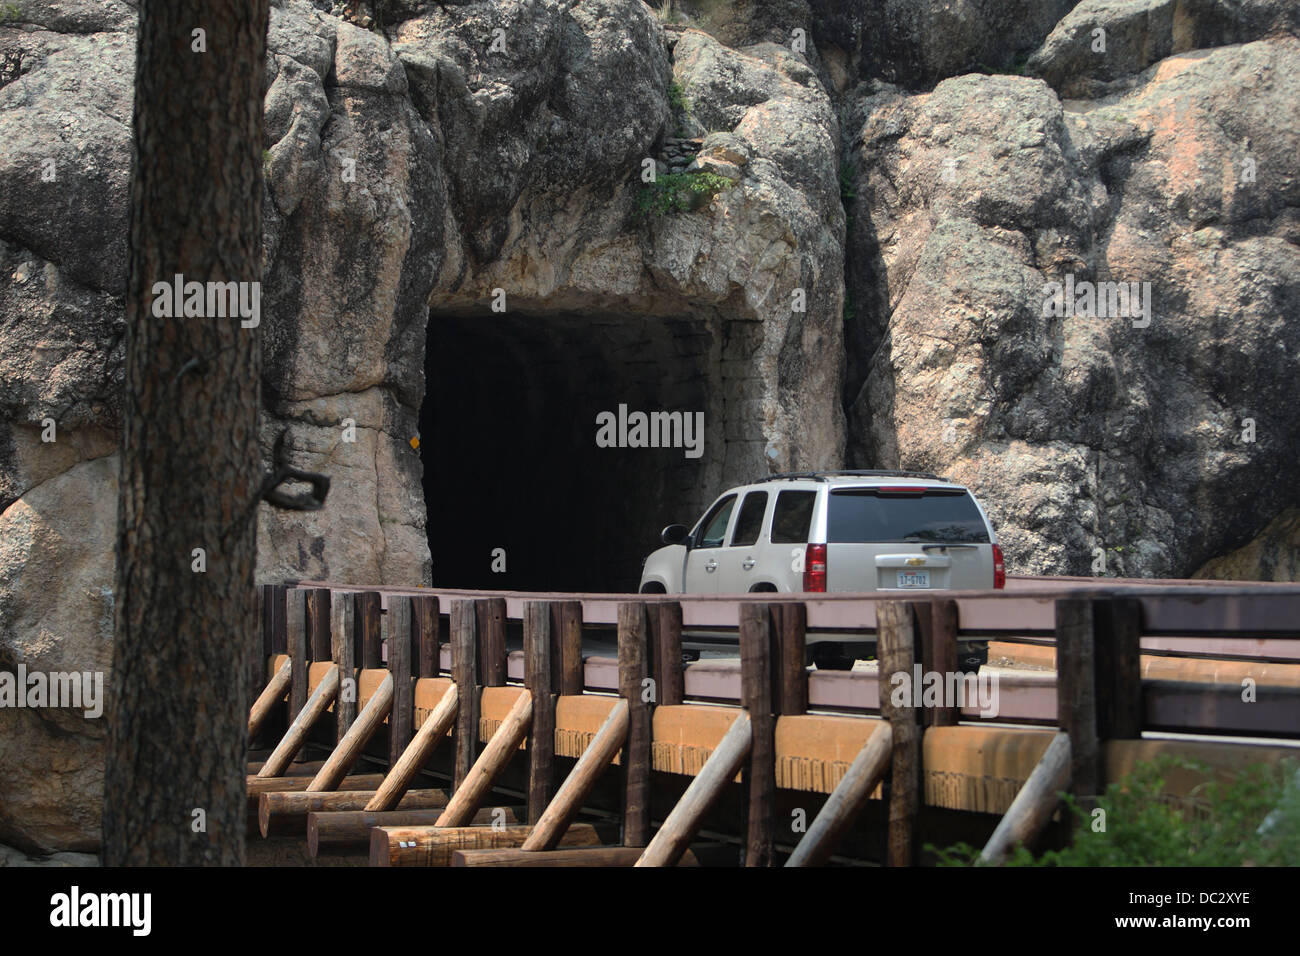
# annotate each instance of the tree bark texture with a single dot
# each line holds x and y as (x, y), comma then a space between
(190, 464)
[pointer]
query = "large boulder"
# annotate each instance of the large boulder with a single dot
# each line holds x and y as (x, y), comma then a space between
(354, 236)
(56, 616)
(1101, 45)
(1108, 444)
(1273, 555)
(917, 43)
(66, 165)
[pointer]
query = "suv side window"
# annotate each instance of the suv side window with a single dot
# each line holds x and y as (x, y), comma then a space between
(714, 526)
(792, 517)
(750, 521)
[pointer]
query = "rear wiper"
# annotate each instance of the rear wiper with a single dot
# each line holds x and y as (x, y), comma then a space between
(930, 543)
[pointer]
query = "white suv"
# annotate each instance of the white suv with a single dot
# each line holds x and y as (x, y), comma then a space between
(832, 531)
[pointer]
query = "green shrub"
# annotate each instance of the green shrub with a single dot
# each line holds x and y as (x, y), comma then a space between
(677, 97)
(1254, 819)
(678, 192)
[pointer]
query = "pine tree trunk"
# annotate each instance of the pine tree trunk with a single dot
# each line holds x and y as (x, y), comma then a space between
(190, 466)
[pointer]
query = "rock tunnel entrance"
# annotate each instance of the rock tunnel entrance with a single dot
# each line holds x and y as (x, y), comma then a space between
(510, 450)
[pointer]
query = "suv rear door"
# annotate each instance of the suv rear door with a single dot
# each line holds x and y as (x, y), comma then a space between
(792, 521)
(739, 566)
(888, 537)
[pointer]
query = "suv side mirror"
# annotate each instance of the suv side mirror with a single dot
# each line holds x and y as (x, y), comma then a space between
(675, 534)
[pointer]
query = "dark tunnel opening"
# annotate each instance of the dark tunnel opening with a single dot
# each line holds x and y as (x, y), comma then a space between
(511, 460)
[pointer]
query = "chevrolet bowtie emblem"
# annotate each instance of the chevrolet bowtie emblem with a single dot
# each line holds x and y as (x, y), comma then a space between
(913, 562)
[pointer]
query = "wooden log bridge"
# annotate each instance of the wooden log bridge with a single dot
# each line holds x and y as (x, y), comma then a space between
(556, 757)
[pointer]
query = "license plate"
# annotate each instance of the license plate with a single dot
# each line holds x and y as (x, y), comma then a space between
(913, 579)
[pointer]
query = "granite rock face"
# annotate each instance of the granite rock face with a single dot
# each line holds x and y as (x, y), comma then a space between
(1102, 45)
(1274, 555)
(410, 172)
(1136, 444)
(835, 224)
(917, 43)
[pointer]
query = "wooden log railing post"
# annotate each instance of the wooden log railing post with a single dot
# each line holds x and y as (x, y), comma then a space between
(633, 673)
(1076, 693)
(259, 662)
(426, 739)
(846, 800)
(1034, 803)
(275, 638)
(274, 620)
(258, 785)
(491, 620)
(425, 609)
(464, 672)
(369, 629)
(539, 680)
(284, 813)
(296, 735)
(401, 718)
(756, 698)
(348, 831)
(318, 623)
(598, 755)
(940, 656)
(494, 758)
(271, 695)
(675, 836)
(433, 846)
(896, 653)
(670, 678)
(404, 769)
(343, 642)
(566, 633)
(936, 649)
(1117, 625)
(349, 749)
(295, 628)
(790, 623)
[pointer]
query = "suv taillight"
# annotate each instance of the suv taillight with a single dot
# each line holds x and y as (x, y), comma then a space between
(999, 568)
(814, 568)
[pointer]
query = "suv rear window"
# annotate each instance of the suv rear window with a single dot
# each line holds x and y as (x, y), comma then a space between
(750, 520)
(866, 516)
(792, 517)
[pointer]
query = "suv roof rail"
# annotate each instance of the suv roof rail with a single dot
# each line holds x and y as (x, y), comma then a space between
(856, 473)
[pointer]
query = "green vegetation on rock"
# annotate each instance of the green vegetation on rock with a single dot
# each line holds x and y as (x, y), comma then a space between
(1252, 820)
(678, 192)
